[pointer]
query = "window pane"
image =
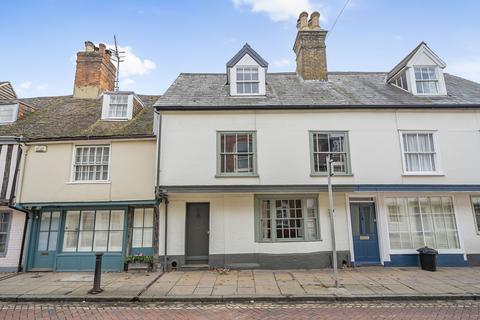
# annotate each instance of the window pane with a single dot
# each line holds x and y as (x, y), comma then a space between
(138, 218)
(71, 220)
(45, 221)
(70, 241)
(147, 237)
(100, 242)
(148, 219)
(137, 238)
(115, 241)
(85, 239)
(476, 209)
(86, 221)
(55, 224)
(116, 220)
(102, 219)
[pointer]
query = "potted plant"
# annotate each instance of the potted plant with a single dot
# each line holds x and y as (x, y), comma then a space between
(139, 262)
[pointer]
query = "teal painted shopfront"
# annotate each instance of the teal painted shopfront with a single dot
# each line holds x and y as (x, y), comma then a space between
(67, 238)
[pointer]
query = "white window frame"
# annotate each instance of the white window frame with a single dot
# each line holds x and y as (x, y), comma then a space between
(247, 81)
(14, 118)
(74, 153)
(107, 104)
(437, 80)
(391, 251)
(475, 220)
(7, 238)
(438, 171)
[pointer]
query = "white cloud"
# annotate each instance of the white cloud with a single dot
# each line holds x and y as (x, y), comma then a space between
(467, 67)
(133, 65)
(279, 10)
(127, 81)
(25, 85)
(282, 63)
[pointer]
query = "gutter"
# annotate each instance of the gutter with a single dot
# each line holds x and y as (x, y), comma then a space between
(46, 139)
(314, 107)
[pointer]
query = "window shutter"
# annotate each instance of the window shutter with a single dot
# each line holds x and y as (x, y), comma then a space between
(105, 106)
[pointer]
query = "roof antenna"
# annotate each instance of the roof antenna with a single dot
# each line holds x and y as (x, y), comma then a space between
(117, 57)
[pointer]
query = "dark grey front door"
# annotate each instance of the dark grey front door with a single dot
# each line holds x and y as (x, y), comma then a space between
(197, 233)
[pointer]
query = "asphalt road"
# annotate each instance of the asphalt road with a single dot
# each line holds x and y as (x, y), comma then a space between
(355, 311)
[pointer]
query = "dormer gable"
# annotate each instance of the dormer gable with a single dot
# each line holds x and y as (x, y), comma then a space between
(6, 90)
(120, 106)
(420, 73)
(246, 73)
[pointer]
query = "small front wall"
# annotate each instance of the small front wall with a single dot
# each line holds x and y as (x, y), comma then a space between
(9, 262)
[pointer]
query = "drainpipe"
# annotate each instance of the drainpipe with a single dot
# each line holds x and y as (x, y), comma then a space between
(165, 240)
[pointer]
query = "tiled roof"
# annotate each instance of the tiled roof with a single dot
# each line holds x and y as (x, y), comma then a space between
(64, 117)
(287, 90)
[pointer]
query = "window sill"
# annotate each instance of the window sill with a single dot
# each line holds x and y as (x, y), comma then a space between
(334, 175)
(116, 119)
(237, 176)
(423, 174)
(287, 241)
(89, 182)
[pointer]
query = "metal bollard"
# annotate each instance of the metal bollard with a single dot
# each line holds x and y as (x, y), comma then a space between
(98, 274)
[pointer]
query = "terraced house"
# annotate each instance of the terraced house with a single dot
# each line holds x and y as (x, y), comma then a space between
(12, 221)
(243, 162)
(87, 172)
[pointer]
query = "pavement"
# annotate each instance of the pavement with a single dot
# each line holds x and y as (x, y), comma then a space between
(359, 284)
(256, 311)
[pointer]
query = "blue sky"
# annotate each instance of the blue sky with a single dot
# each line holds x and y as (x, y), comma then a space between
(163, 38)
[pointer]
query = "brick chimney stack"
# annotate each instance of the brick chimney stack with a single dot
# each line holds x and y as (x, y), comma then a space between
(95, 72)
(310, 48)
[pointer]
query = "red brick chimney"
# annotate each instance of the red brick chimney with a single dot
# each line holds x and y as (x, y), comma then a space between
(95, 72)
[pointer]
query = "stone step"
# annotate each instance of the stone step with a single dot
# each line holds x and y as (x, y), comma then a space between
(243, 266)
(194, 267)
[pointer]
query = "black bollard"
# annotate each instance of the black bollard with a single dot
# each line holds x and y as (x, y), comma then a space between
(98, 274)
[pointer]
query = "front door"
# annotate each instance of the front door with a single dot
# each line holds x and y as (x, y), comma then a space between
(197, 233)
(46, 240)
(364, 231)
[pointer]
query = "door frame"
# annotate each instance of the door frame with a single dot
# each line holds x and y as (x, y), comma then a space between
(209, 226)
(351, 197)
(36, 235)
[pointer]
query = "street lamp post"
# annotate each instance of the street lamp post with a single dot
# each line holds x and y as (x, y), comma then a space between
(332, 220)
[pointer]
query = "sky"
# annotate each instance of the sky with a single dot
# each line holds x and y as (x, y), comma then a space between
(164, 38)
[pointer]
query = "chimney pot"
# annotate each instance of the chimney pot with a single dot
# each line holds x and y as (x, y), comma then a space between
(302, 23)
(314, 22)
(89, 46)
(102, 48)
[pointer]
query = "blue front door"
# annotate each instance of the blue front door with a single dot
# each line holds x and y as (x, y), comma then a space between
(46, 240)
(364, 231)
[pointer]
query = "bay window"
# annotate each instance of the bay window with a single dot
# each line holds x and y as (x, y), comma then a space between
(93, 230)
(415, 222)
(287, 219)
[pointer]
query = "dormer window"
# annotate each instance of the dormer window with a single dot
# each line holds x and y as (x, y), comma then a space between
(426, 80)
(246, 73)
(420, 73)
(8, 113)
(120, 106)
(247, 80)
